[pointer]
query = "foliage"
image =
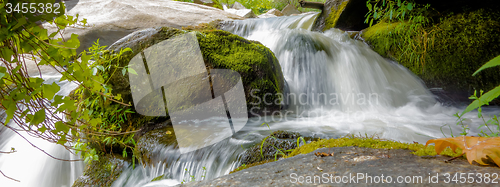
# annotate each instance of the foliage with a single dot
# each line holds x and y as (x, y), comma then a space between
(33, 105)
(411, 30)
(483, 150)
(406, 10)
(492, 125)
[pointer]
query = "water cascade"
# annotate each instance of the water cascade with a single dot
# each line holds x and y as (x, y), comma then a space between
(337, 85)
(31, 166)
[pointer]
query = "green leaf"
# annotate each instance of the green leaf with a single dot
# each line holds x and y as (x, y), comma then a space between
(73, 42)
(369, 6)
(409, 6)
(39, 117)
(21, 22)
(484, 99)
(491, 63)
(49, 90)
(6, 54)
(60, 126)
(130, 70)
(124, 154)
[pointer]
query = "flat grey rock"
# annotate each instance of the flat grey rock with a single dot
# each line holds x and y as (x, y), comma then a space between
(351, 163)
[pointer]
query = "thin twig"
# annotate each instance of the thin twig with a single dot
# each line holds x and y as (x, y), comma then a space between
(448, 161)
(9, 177)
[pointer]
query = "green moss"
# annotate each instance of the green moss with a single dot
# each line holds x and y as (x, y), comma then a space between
(419, 149)
(447, 53)
(257, 65)
(334, 15)
(374, 143)
(102, 172)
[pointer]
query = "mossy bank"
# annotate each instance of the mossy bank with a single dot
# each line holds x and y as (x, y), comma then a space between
(446, 53)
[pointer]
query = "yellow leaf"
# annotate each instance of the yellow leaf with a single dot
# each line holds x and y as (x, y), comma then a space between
(480, 149)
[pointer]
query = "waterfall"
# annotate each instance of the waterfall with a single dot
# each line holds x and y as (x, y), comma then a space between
(337, 85)
(31, 166)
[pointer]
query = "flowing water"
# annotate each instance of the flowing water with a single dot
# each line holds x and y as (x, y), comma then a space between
(31, 166)
(336, 85)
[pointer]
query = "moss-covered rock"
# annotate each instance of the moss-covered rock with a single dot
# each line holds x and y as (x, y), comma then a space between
(257, 65)
(153, 139)
(447, 53)
(273, 146)
(354, 141)
(102, 172)
(342, 14)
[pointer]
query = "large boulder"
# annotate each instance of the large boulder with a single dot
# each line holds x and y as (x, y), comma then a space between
(257, 65)
(348, 15)
(110, 20)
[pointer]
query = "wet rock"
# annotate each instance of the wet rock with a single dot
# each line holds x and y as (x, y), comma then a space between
(348, 15)
(149, 145)
(274, 146)
(290, 9)
(110, 20)
(351, 162)
(259, 69)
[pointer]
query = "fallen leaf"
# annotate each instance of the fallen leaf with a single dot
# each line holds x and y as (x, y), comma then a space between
(483, 150)
(168, 132)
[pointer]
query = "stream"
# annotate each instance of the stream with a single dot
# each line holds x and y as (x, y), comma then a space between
(337, 85)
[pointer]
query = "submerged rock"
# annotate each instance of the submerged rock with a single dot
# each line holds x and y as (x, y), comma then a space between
(274, 146)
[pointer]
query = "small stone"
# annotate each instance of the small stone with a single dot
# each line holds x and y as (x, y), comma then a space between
(289, 10)
(238, 6)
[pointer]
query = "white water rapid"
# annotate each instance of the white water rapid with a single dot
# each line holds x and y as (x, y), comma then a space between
(337, 86)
